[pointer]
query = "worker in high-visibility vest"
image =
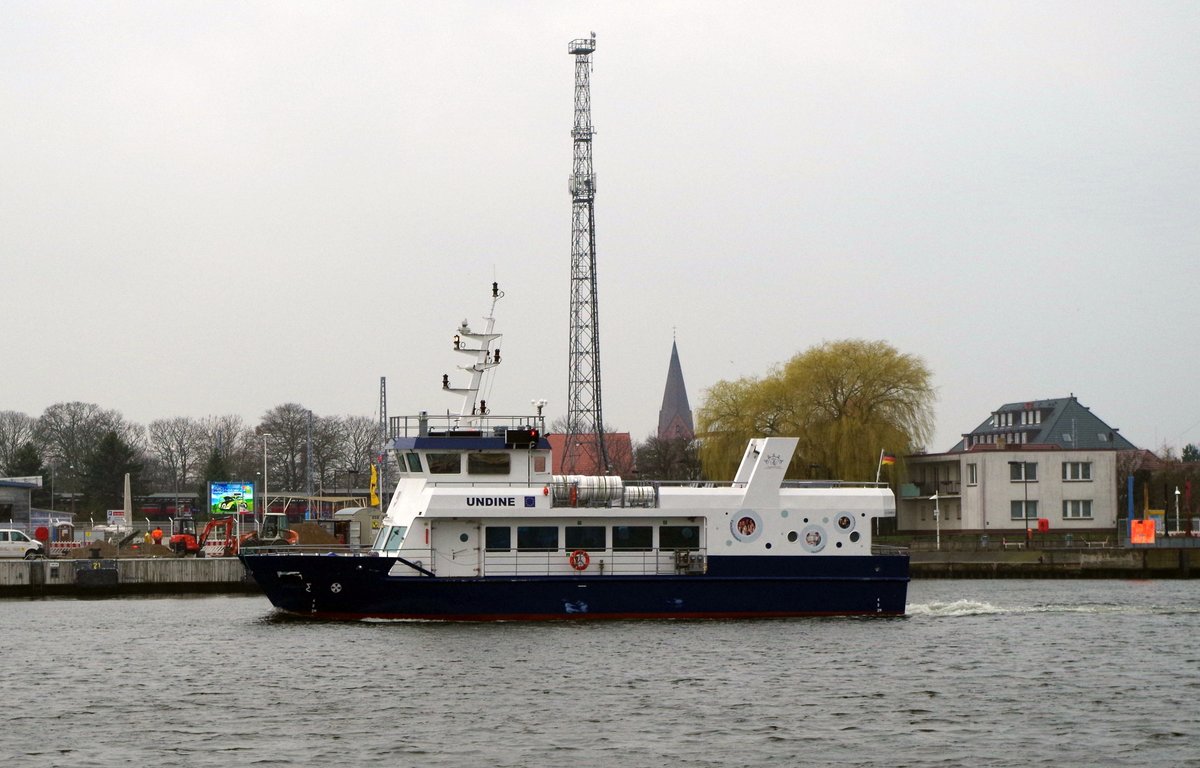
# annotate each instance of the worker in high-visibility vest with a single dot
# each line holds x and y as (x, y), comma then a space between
(157, 535)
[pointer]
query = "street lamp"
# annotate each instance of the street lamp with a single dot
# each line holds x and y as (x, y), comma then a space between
(1177, 510)
(937, 519)
(263, 505)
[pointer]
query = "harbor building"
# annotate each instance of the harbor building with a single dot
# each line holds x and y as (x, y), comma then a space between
(1051, 460)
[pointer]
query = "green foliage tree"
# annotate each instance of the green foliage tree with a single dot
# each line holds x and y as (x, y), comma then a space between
(27, 462)
(1190, 453)
(104, 470)
(845, 400)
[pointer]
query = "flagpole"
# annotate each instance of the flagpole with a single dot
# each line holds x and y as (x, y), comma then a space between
(879, 467)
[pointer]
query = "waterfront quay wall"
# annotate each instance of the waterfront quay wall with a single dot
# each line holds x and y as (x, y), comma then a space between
(179, 576)
(127, 576)
(1109, 563)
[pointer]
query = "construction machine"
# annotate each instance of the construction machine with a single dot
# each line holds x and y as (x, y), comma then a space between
(183, 539)
(274, 532)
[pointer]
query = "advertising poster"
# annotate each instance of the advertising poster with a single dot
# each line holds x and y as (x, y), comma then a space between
(230, 498)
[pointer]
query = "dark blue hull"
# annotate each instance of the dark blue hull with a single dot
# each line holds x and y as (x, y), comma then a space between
(347, 587)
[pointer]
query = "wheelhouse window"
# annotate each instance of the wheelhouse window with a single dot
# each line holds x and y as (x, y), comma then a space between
(585, 537)
(1029, 512)
(537, 537)
(395, 536)
(633, 537)
(497, 538)
(679, 537)
(539, 463)
(1077, 509)
(444, 463)
(414, 461)
(488, 463)
(1077, 470)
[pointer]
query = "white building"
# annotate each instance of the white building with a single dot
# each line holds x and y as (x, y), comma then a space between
(1045, 459)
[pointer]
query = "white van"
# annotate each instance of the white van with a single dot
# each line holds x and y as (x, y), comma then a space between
(14, 543)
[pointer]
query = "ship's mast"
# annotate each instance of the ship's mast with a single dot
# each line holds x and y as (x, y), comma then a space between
(477, 345)
(583, 448)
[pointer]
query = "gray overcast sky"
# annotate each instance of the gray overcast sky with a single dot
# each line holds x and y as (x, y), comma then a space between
(218, 207)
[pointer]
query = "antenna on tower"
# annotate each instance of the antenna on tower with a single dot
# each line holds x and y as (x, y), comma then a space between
(583, 448)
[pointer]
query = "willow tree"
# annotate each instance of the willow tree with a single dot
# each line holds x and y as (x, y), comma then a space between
(845, 400)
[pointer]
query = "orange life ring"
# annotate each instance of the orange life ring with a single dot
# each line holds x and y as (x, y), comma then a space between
(579, 560)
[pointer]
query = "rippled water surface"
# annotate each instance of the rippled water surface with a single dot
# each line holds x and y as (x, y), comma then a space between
(1004, 673)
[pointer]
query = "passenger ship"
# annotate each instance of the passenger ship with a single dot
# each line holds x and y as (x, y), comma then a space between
(480, 529)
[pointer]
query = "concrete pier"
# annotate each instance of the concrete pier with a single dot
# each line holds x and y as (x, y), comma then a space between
(133, 576)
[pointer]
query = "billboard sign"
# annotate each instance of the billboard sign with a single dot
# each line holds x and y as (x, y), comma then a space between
(230, 498)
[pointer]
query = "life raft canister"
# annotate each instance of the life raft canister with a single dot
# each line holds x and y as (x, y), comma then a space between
(579, 559)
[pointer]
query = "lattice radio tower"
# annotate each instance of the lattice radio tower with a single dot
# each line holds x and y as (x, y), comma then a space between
(583, 448)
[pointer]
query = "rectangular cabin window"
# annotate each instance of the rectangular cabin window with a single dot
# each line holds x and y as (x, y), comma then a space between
(497, 538)
(585, 537)
(414, 462)
(633, 537)
(537, 537)
(679, 537)
(444, 463)
(488, 463)
(539, 463)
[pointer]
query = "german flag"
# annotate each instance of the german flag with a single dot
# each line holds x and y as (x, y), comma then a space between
(887, 458)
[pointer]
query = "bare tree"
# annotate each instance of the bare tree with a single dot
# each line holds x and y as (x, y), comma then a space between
(67, 433)
(360, 442)
(178, 445)
(287, 447)
(16, 429)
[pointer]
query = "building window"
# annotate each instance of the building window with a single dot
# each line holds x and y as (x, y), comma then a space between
(972, 474)
(1077, 470)
(1077, 510)
(1022, 471)
(1029, 512)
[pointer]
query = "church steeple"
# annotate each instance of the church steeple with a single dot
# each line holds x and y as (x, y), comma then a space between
(675, 417)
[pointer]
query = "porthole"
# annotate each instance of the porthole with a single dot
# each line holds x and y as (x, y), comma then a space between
(768, 545)
(855, 536)
(463, 537)
(813, 538)
(792, 535)
(745, 525)
(844, 522)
